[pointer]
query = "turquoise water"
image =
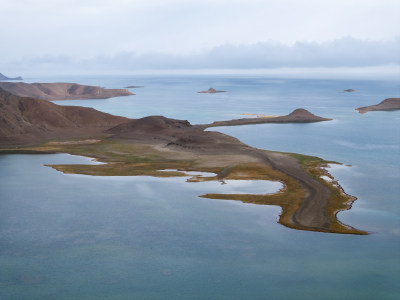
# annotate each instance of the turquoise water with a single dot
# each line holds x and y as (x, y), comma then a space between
(82, 237)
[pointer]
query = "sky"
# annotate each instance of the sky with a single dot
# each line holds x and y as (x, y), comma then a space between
(100, 35)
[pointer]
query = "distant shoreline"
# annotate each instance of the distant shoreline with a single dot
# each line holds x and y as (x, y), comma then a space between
(61, 91)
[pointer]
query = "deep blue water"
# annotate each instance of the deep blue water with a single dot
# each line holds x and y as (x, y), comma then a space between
(82, 237)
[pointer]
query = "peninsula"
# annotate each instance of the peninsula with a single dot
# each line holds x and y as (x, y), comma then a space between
(61, 91)
(3, 77)
(162, 147)
(211, 91)
(299, 115)
(387, 104)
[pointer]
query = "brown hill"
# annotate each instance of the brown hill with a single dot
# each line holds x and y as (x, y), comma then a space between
(152, 124)
(299, 115)
(26, 120)
(61, 91)
(180, 134)
(387, 104)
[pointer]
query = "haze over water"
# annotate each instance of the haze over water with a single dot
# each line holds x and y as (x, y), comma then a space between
(72, 236)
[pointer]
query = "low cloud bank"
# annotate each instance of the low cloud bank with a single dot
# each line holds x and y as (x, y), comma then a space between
(345, 52)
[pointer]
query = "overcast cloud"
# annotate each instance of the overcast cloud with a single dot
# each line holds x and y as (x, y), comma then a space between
(161, 34)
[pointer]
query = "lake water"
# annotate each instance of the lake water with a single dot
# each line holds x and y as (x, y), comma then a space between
(83, 237)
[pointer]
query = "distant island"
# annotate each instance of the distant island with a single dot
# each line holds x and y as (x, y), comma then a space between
(387, 104)
(349, 91)
(134, 86)
(163, 147)
(3, 77)
(211, 91)
(61, 91)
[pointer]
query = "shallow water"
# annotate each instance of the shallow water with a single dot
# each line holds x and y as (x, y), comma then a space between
(74, 236)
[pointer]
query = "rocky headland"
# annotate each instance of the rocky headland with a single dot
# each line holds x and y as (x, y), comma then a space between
(3, 77)
(61, 91)
(387, 104)
(299, 115)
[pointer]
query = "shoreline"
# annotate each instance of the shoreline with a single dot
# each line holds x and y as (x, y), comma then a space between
(306, 203)
(351, 198)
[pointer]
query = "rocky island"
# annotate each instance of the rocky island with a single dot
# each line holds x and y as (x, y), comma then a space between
(61, 91)
(387, 104)
(162, 147)
(3, 77)
(211, 91)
